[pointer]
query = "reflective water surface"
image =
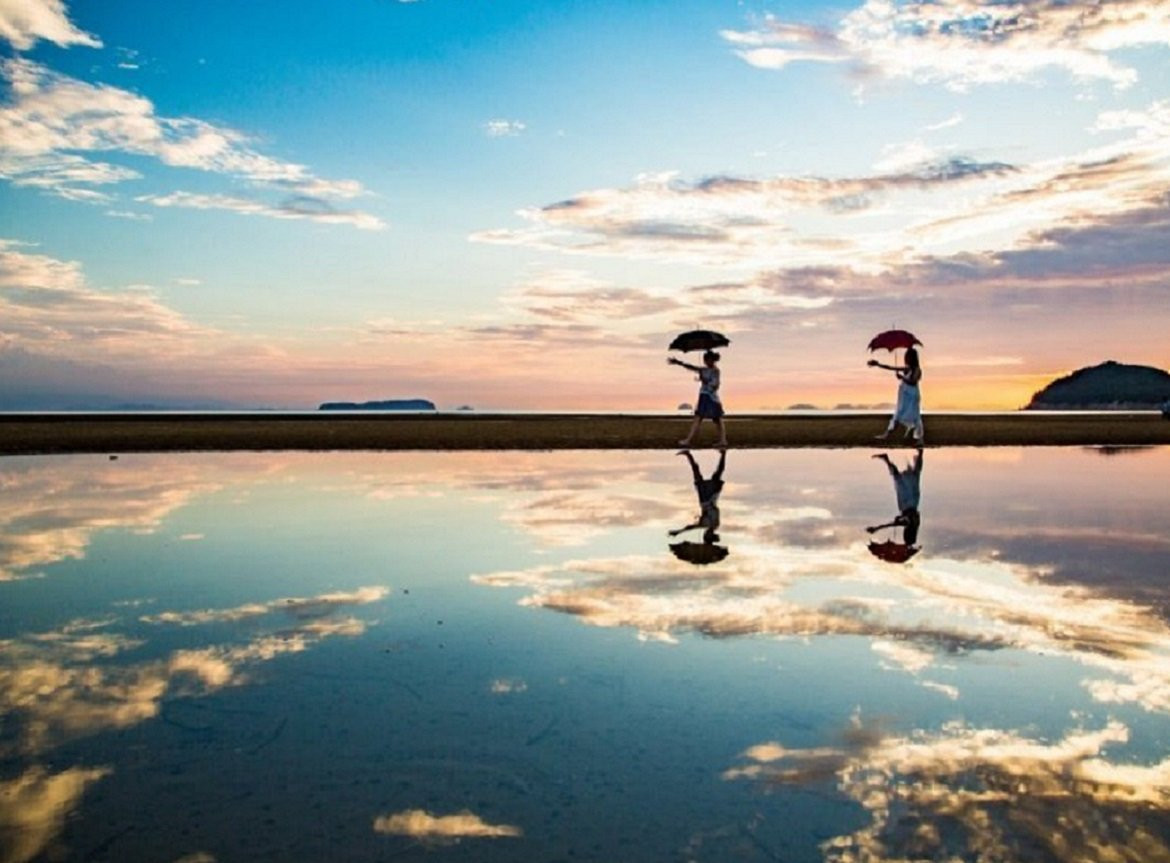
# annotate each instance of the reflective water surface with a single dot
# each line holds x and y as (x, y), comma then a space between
(782, 655)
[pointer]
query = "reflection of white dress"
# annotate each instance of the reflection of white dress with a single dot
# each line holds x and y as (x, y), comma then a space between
(907, 489)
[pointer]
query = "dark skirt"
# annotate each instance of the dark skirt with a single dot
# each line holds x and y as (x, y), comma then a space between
(709, 408)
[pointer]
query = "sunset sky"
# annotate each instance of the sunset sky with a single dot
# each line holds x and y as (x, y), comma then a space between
(516, 205)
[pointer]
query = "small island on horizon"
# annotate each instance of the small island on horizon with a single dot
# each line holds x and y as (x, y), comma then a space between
(383, 405)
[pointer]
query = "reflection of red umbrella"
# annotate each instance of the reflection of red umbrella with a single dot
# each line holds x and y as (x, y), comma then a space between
(893, 552)
(892, 340)
(699, 553)
(699, 340)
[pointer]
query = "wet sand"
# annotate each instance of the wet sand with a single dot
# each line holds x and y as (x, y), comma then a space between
(26, 434)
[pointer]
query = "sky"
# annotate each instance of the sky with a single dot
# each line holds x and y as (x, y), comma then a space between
(516, 205)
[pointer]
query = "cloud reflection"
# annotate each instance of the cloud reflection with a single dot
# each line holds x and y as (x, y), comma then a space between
(50, 511)
(303, 608)
(34, 805)
(442, 829)
(59, 686)
(913, 615)
(967, 793)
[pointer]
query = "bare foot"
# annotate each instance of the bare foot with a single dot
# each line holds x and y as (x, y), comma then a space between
(684, 443)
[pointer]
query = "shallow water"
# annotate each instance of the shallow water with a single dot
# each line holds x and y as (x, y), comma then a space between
(362, 656)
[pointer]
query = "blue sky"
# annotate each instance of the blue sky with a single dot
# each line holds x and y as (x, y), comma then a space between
(516, 205)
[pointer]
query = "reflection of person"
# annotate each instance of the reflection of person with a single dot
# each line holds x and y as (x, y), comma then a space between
(708, 491)
(908, 491)
(908, 410)
(709, 404)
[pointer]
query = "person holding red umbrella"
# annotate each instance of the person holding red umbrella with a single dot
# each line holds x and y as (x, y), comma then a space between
(908, 411)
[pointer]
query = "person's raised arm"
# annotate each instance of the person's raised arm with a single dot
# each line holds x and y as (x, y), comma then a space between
(675, 361)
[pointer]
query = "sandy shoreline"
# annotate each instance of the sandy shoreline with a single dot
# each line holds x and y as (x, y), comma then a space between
(27, 434)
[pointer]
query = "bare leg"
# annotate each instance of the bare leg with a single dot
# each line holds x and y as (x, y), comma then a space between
(691, 434)
(722, 431)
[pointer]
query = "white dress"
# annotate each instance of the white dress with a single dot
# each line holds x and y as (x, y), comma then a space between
(909, 408)
(908, 411)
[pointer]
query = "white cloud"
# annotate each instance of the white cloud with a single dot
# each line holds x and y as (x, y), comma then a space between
(950, 122)
(63, 174)
(45, 304)
(960, 44)
(503, 128)
(312, 209)
(51, 121)
(25, 22)
(905, 156)
(130, 215)
(918, 203)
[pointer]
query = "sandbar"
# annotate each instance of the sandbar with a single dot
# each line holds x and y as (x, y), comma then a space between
(57, 433)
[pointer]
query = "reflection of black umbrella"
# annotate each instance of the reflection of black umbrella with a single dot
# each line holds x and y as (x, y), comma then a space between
(699, 340)
(699, 553)
(893, 552)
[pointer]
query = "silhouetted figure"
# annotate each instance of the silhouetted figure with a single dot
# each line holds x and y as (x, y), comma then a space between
(908, 491)
(908, 410)
(708, 491)
(709, 404)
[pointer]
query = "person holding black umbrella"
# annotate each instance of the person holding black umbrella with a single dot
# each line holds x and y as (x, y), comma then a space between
(709, 404)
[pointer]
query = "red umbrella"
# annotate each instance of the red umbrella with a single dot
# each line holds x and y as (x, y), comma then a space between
(892, 340)
(893, 552)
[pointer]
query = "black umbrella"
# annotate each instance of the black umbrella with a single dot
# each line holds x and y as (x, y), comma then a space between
(699, 340)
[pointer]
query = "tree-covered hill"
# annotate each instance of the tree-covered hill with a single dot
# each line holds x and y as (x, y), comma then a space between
(1111, 385)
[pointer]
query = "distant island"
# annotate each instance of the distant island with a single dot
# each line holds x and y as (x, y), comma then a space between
(1109, 386)
(385, 405)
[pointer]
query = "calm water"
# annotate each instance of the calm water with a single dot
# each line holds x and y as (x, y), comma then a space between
(508, 657)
